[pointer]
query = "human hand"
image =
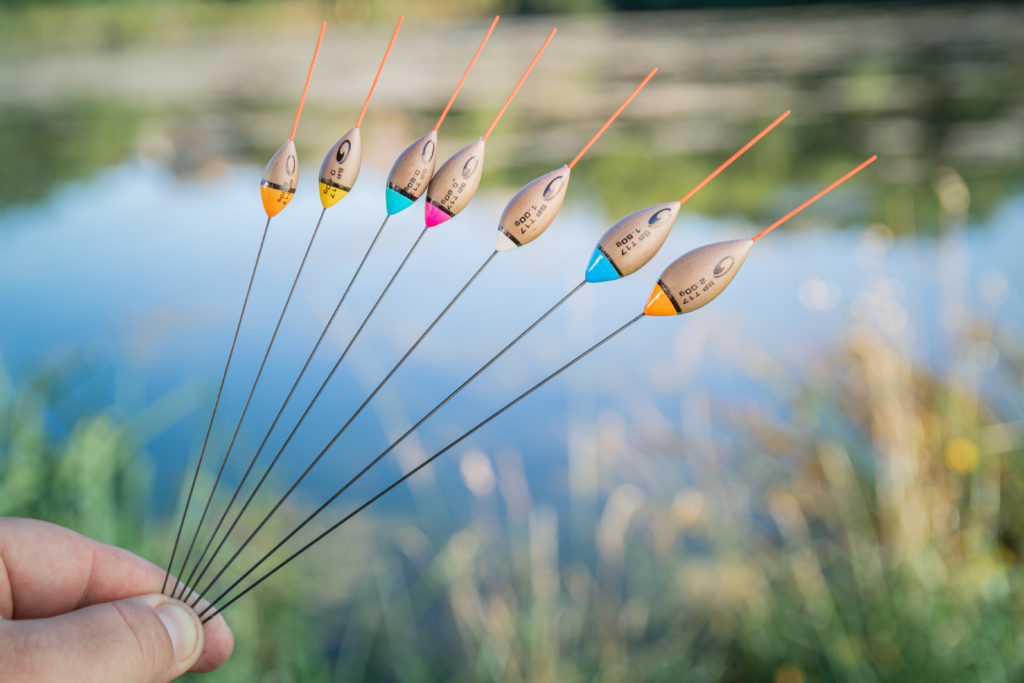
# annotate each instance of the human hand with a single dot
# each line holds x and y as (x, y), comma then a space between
(75, 609)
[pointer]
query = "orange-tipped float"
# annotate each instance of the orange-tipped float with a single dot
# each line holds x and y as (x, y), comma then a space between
(696, 278)
(281, 176)
(634, 240)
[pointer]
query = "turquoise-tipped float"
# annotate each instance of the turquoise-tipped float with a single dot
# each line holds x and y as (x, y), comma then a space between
(600, 269)
(411, 174)
(632, 242)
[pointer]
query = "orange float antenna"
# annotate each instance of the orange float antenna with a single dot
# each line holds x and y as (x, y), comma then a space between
(309, 75)
(602, 129)
(846, 176)
(522, 79)
(472, 62)
(383, 61)
(728, 162)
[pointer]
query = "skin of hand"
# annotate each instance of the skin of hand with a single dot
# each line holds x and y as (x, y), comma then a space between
(75, 609)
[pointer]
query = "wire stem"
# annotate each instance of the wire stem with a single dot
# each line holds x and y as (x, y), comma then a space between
(393, 485)
(213, 414)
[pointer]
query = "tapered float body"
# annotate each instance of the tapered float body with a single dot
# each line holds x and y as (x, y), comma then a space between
(411, 173)
(531, 210)
(632, 242)
(340, 169)
(454, 184)
(280, 178)
(697, 277)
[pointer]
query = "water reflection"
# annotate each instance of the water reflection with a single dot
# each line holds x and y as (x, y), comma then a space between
(145, 271)
(924, 89)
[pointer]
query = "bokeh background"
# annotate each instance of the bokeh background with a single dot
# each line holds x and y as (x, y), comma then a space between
(818, 477)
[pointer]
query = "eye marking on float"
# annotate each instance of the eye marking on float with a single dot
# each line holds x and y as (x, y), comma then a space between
(343, 149)
(658, 216)
(723, 266)
(553, 188)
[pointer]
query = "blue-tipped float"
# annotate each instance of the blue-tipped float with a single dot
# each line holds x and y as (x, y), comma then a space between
(632, 242)
(411, 174)
(600, 269)
(396, 202)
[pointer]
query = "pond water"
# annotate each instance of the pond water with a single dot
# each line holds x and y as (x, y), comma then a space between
(140, 275)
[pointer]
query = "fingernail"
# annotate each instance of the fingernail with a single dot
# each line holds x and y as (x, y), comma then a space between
(180, 623)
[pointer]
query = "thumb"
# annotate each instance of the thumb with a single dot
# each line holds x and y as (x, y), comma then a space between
(146, 639)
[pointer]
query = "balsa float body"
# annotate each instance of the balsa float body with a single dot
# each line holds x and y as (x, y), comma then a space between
(411, 173)
(697, 277)
(340, 168)
(280, 178)
(533, 208)
(455, 183)
(632, 242)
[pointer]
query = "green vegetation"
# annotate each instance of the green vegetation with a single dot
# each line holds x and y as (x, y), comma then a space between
(921, 110)
(874, 535)
(47, 149)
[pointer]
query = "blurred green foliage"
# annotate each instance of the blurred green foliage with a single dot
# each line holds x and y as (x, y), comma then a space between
(504, 6)
(921, 110)
(83, 470)
(48, 148)
(874, 535)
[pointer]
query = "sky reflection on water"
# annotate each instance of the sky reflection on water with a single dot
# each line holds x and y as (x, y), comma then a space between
(142, 275)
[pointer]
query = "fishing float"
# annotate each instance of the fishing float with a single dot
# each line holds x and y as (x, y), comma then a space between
(546, 200)
(690, 282)
(696, 278)
(456, 182)
(531, 211)
(412, 171)
(633, 241)
(277, 187)
(340, 168)
(338, 175)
